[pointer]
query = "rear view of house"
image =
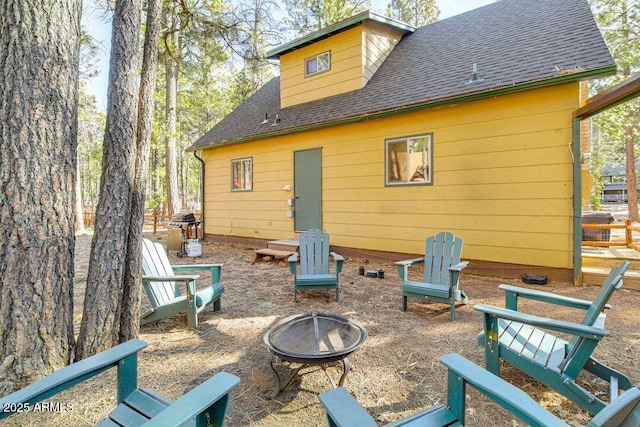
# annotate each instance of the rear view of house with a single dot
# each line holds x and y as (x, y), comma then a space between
(381, 134)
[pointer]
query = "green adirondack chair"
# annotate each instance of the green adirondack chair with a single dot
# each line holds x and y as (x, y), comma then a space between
(311, 267)
(161, 285)
(522, 340)
(442, 267)
(344, 411)
(205, 404)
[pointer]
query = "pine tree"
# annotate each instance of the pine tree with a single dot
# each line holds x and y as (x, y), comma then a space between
(619, 127)
(415, 12)
(40, 44)
(308, 16)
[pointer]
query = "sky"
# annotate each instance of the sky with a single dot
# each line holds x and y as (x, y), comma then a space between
(96, 23)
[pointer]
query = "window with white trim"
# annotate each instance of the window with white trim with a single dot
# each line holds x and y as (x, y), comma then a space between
(317, 64)
(408, 160)
(242, 174)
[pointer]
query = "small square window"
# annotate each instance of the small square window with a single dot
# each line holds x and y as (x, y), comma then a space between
(409, 160)
(317, 64)
(311, 66)
(242, 174)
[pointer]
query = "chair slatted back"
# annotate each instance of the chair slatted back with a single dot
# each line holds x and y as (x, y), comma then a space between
(611, 284)
(156, 263)
(314, 252)
(441, 252)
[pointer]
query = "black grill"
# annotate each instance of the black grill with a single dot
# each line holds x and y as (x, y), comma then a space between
(188, 226)
(184, 217)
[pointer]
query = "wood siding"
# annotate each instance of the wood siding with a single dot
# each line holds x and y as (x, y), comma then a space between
(502, 181)
(356, 55)
(345, 74)
(377, 43)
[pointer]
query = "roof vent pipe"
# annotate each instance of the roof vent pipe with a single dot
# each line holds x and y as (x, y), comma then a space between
(276, 121)
(475, 75)
(266, 119)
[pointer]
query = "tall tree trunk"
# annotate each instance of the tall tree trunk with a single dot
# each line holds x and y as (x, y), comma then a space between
(78, 205)
(39, 45)
(155, 178)
(100, 325)
(184, 173)
(130, 317)
(170, 141)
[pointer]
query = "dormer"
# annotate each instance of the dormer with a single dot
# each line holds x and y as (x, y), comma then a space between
(337, 59)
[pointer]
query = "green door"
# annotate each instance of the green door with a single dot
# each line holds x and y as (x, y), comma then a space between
(307, 185)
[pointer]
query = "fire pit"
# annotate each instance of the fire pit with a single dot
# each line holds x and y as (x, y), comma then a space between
(313, 339)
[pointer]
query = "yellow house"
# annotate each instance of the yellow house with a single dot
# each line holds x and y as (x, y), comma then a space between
(382, 134)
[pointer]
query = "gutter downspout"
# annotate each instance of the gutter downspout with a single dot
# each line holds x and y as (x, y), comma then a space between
(195, 154)
(577, 204)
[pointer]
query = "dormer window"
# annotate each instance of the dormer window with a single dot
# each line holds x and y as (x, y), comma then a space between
(340, 58)
(317, 64)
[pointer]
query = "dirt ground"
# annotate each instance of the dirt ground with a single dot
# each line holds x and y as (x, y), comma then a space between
(395, 373)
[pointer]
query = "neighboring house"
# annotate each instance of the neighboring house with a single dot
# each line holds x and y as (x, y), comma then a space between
(616, 192)
(609, 174)
(614, 188)
(382, 134)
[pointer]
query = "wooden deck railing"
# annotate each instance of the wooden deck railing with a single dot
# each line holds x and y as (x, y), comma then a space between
(150, 220)
(89, 219)
(626, 235)
(157, 221)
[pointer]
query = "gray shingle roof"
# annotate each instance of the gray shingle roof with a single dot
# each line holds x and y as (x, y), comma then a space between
(515, 43)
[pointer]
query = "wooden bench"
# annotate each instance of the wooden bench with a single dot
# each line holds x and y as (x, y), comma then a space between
(269, 254)
(205, 404)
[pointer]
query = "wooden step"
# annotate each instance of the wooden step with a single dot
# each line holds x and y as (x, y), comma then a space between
(610, 257)
(609, 262)
(291, 245)
(597, 275)
(268, 254)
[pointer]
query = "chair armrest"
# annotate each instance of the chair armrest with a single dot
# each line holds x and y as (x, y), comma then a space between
(293, 262)
(459, 266)
(71, 375)
(196, 266)
(336, 257)
(403, 266)
(215, 269)
(514, 292)
(408, 262)
(197, 401)
(343, 410)
(182, 278)
(504, 394)
(339, 260)
(575, 329)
